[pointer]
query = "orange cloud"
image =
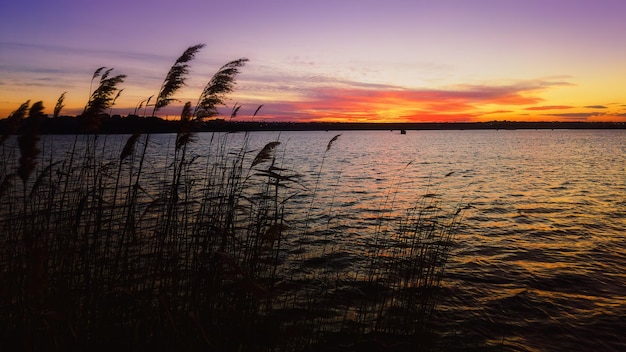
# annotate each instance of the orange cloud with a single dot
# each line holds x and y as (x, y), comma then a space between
(388, 103)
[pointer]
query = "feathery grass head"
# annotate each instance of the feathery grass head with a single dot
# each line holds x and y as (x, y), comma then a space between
(101, 99)
(175, 77)
(14, 120)
(36, 111)
(129, 147)
(184, 134)
(27, 141)
(147, 104)
(257, 110)
(97, 72)
(20, 113)
(139, 106)
(265, 153)
(214, 93)
(59, 105)
(95, 75)
(119, 92)
(330, 143)
(235, 111)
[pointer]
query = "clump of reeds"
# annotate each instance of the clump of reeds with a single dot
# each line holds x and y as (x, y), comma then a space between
(204, 251)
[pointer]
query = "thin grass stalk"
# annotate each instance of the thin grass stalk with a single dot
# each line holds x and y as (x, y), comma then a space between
(173, 81)
(127, 152)
(317, 181)
(169, 229)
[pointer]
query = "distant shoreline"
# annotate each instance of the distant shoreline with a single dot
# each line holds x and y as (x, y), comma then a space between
(132, 124)
(344, 126)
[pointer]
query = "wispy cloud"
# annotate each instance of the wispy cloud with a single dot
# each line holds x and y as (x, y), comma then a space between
(589, 116)
(579, 116)
(549, 107)
(497, 112)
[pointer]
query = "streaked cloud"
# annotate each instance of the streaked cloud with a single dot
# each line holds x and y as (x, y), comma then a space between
(497, 112)
(574, 116)
(549, 107)
(590, 116)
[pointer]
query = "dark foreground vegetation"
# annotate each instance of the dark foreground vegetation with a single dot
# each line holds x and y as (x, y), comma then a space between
(226, 252)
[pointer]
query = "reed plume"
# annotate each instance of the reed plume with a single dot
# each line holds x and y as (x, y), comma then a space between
(119, 92)
(257, 110)
(175, 78)
(184, 134)
(129, 147)
(214, 93)
(20, 112)
(95, 75)
(330, 143)
(101, 99)
(14, 120)
(59, 105)
(265, 153)
(235, 111)
(139, 106)
(97, 72)
(147, 104)
(27, 142)
(36, 111)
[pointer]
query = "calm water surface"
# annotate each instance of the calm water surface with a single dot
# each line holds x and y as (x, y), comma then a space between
(539, 263)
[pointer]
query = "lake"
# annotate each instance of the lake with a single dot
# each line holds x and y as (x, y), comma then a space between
(539, 259)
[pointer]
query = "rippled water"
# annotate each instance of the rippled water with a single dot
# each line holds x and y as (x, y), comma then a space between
(539, 263)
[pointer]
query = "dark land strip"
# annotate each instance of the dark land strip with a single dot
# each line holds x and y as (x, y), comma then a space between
(132, 124)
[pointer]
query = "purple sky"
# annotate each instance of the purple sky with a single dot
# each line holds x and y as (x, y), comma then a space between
(325, 60)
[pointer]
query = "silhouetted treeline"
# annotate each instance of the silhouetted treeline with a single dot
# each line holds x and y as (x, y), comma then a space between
(130, 124)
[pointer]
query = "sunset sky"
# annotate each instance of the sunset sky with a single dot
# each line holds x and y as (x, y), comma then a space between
(330, 60)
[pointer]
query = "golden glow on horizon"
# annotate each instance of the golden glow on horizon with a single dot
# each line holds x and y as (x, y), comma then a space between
(466, 104)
